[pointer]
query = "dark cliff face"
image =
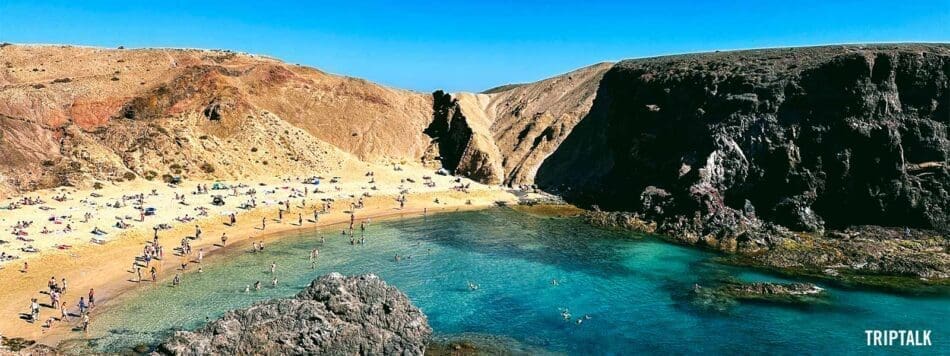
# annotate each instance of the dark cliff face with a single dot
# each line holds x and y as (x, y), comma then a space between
(807, 138)
(462, 149)
(449, 129)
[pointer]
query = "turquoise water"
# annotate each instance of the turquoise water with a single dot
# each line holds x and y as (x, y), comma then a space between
(634, 289)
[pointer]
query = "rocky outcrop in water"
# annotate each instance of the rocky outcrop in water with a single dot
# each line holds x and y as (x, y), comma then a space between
(334, 315)
(723, 297)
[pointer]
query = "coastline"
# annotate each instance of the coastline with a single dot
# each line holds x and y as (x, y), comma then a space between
(107, 267)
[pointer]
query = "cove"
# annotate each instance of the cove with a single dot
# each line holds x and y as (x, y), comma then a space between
(634, 288)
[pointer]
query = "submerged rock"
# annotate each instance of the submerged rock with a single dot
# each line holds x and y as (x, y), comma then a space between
(335, 314)
(727, 295)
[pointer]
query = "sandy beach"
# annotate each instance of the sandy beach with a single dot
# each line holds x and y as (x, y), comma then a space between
(107, 266)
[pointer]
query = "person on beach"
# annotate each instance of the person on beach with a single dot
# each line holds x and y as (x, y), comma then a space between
(82, 305)
(263, 223)
(273, 267)
(138, 274)
(197, 232)
(154, 274)
(177, 280)
(201, 254)
(92, 298)
(63, 314)
(34, 310)
(85, 322)
(224, 239)
(316, 216)
(299, 219)
(280, 215)
(63, 288)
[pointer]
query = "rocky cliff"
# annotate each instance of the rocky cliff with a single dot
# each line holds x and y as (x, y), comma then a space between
(805, 138)
(334, 315)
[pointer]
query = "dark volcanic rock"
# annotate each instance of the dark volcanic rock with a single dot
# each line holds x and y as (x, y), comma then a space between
(334, 315)
(745, 151)
(806, 138)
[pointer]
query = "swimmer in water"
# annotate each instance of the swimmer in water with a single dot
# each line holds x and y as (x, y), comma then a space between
(257, 285)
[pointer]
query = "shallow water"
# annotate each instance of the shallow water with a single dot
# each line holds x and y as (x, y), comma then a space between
(634, 290)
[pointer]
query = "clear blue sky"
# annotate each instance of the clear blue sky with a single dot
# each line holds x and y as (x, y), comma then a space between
(469, 45)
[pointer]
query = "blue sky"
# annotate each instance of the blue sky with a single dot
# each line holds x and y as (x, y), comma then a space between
(469, 45)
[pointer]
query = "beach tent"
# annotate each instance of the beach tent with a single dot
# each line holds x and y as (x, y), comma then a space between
(219, 186)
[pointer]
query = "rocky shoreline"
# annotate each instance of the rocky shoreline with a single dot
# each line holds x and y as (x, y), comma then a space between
(870, 256)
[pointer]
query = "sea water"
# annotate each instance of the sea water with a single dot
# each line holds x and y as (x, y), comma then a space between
(630, 291)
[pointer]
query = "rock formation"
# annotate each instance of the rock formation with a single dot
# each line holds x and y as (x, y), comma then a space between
(334, 315)
(804, 138)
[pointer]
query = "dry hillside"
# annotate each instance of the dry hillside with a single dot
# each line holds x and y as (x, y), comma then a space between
(72, 114)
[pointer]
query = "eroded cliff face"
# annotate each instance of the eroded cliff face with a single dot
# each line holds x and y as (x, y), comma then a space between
(460, 133)
(806, 138)
(503, 135)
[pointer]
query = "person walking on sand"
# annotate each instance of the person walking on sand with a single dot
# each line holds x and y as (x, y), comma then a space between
(82, 305)
(197, 232)
(154, 274)
(63, 314)
(34, 310)
(299, 219)
(92, 298)
(63, 289)
(224, 239)
(85, 322)
(263, 223)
